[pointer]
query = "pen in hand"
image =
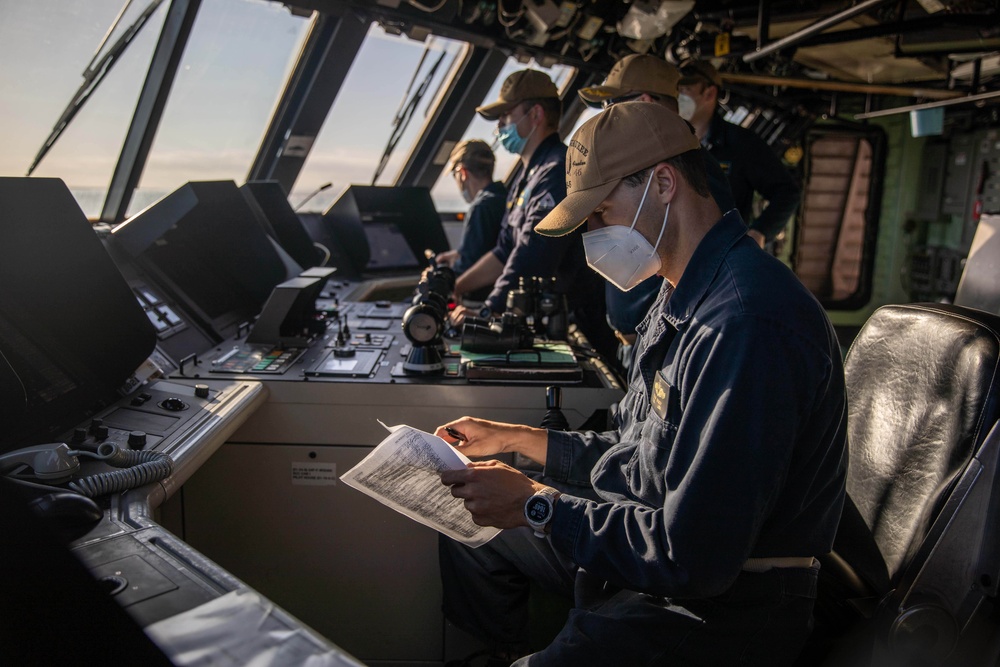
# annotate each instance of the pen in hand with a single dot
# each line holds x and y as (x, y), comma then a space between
(455, 434)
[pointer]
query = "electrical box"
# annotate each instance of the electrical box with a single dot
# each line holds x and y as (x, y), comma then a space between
(958, 174)
(543, 15)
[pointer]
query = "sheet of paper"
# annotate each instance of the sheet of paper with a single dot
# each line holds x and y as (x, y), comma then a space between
(404, 472)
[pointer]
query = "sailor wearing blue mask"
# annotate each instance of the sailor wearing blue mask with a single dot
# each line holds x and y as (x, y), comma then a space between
(527, 114)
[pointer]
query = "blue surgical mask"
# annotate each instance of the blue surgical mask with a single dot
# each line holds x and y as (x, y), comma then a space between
(511, 139)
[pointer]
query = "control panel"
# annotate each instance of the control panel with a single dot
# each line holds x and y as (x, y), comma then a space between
(149, 572)
(145, 419)
(378, 340)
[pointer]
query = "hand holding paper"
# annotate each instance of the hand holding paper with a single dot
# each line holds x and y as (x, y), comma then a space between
(493, 492)
(404, 473)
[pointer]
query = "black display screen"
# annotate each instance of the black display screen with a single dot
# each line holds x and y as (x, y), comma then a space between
(388, 248)
(377, 230)
(203, 245)
(71, 330)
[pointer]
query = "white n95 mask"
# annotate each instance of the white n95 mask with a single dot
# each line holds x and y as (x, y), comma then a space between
(624, 256)
(686, 106)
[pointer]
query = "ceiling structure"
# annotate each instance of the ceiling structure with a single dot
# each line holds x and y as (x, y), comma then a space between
(897, 42)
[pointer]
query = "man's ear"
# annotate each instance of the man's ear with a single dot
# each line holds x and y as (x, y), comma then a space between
(712, 93)
(536, 113)
(665, 176)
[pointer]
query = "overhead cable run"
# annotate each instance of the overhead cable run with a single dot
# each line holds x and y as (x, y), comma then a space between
(929, 105)
(813, 29)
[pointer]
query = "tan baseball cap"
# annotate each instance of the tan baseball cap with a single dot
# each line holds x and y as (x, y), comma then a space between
(618, 142)
(471, 151)
(526, 84)
(693, 71)
(634, 74)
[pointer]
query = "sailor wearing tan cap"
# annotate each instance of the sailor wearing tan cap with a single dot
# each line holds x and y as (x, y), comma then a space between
(686, 534)
(645, 78)
(749, 163)
(527, 113)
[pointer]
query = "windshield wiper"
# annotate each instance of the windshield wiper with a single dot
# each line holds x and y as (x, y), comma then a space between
(407, 107)
(95, 72)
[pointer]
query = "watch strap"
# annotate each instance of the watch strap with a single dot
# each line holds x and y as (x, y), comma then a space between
(550, 495)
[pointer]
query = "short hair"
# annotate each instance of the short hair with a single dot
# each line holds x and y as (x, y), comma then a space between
(475, 155)
(551, 108)
(690, 164)
(479, 168)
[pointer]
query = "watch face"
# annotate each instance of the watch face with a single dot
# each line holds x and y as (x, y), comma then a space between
(538, 510)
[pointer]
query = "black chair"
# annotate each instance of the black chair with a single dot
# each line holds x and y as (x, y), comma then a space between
(916, 563)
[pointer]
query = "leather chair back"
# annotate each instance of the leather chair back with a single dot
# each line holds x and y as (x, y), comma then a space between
(917, 549)
(922, 393)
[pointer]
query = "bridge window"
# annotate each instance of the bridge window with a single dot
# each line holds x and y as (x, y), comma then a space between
(236, 60)
(386, 71)
(45, 47)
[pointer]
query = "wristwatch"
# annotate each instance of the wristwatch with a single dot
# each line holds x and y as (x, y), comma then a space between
(538, 509)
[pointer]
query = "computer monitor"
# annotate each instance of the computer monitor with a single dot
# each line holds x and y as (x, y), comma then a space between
(980, 283)
(203, 245)
(385, 230)
(269, 202)
(71, 330)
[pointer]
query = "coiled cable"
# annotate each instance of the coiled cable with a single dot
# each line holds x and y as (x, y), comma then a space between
(138, 469)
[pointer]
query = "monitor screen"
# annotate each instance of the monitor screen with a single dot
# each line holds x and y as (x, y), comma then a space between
(203, 245)
(371, 224)
(980, 283)
(268, 200)
(71, 330)
(388, 248)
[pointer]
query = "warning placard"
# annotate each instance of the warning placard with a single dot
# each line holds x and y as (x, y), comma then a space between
(314, 473)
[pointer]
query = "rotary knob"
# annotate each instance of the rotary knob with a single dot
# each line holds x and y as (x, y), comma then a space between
(173, 404)
(201, 390)
(100, 432)
(137, 439)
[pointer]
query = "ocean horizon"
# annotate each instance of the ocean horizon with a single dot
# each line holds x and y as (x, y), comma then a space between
(91, 199)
